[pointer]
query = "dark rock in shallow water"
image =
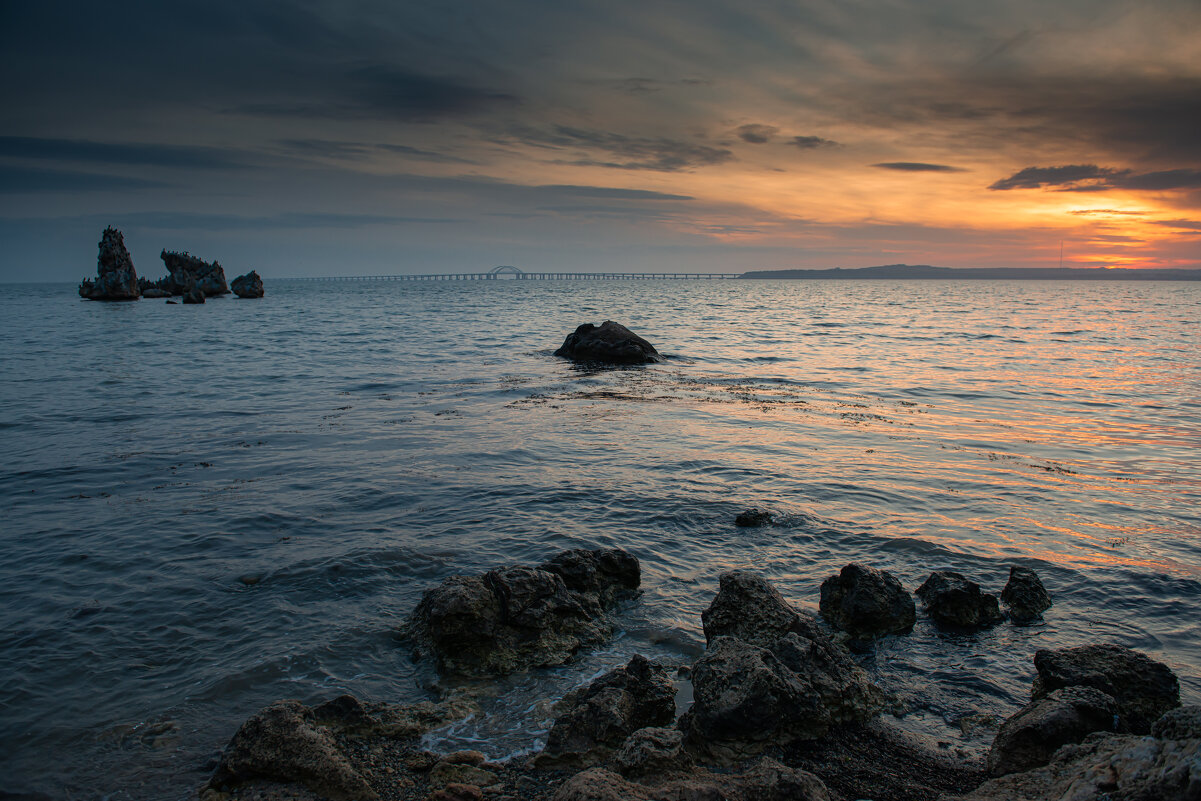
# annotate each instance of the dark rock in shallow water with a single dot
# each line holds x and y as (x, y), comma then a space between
(187, 271)
(1025, 595)
(610, 342)
(1143, 688)
(248, 286)
(516, 618)
(749, 608)
(116, 278)
(753, 518)
(599, 717)
(193, 295)
(952, 600)
(1029, 738)
(155, 292)
(865, 602)
(770, 676)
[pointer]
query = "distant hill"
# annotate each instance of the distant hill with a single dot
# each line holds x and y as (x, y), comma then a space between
(903, 271)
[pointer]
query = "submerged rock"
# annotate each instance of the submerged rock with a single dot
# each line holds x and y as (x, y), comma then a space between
(1025, 595)
(610, 342)
(1143, 688)
(866, 603)
(1029, 738)
(952, 600)
(754, 518)
(599, 717)
(187, 271)
(248, 286)
(516, 618)
(116, 278)
(769, 677)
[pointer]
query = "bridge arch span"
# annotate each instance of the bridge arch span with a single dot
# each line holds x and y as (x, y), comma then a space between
(506, 270)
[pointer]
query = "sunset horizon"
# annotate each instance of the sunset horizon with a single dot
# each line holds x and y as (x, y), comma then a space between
(330, 139)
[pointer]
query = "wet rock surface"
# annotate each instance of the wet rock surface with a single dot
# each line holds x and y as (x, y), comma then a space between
(248, 286)
(1105, 767)
(116, 278)
(767, 780)
(1181, 723)
(608, 343)
(1025, 595)
(1029, 738)
(867, 603)
(653, 751)
(955, 602)
(750, 609)
(516, 618)
(770, 675)
(1143, 688)
(599, 717)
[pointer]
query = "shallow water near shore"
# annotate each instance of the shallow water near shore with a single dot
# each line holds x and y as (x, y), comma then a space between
(208, 508)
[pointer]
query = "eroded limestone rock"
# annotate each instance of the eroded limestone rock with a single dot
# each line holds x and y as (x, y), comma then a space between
(609, 343)
(867, 603)
(952, 600)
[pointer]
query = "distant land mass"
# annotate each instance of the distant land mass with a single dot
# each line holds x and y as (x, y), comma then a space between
(897, 271)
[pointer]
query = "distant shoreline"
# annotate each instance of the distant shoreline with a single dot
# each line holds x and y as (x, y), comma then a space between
(924, 271)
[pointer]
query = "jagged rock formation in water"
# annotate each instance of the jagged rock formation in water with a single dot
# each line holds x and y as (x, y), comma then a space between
(116, 278)
(187, 271)
(248, 286)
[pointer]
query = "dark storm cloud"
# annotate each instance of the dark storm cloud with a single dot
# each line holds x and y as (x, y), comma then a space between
(916, 166)
(1091, 178)
(757, 134)
(122, 153)
(811, 142)
(618, 151)
(16, 180)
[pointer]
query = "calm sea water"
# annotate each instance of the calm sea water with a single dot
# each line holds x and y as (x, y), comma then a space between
(208, 508)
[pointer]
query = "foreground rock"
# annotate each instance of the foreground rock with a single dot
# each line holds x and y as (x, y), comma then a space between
(1025, 595)
(116, 278)
(770, 676)
(1142, 688)
(187, 272)
(1106, 767)
(248, 286)
(867, 603)
(610, 343)
(951, 600)
(517, 618)
(600, 717)
(1029, 738)
(767, 780)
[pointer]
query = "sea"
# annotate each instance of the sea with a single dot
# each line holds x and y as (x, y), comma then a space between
(208, 508)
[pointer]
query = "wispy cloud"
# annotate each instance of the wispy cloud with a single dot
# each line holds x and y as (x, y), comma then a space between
(916, 166)
(121, 153)
(1092, 178)
(596, 148)
(812, 142)
(757, 134)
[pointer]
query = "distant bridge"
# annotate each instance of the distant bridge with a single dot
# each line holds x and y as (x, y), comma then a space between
(506, 272)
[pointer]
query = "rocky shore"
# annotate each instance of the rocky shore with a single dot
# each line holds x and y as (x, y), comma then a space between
(781, 709)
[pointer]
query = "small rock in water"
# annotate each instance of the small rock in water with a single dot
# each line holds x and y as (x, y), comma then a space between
(187, 272)
(248, 286)
(193, 295)
(609, 343)
(865, 602)
(1025, 595)
(952, 600)
(753, 518)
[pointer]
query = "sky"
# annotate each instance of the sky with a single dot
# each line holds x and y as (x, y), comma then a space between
(344, 137)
